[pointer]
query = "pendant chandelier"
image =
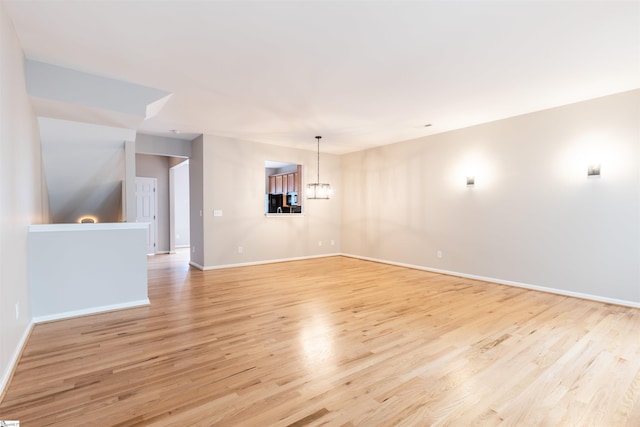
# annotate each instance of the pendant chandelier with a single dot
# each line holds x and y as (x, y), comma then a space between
(318, 190)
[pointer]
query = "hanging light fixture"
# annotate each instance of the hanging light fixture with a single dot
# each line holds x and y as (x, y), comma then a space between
(317, 190)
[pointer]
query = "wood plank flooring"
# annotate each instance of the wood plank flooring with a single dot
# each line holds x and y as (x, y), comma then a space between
(333, 341)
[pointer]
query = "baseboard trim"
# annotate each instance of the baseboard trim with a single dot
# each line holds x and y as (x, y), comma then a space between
(556, 291)
(269, 261)
(13, 362)
(562, 292)
(196, 265)
(92, 310)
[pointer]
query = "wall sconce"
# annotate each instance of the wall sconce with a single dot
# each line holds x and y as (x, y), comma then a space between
(87, 220)
(593, 170)
(471, 181)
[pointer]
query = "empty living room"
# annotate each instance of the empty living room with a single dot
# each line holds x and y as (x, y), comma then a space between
(319, 213)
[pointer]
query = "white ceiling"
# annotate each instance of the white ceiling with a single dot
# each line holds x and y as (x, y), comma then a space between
(359, 73)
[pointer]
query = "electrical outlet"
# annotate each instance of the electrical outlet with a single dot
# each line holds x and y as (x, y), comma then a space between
(333, 243)
(319, 242)
(193, 249)
(240, 249)
(439, 253)
(17, 311)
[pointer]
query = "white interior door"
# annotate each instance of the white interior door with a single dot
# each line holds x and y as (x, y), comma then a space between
(147, 208)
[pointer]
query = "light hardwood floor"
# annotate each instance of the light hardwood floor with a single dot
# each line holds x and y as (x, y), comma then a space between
(334, 341)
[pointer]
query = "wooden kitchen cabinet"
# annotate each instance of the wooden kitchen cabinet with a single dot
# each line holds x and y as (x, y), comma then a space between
(291, 182)
(286, 182)
(272, 184)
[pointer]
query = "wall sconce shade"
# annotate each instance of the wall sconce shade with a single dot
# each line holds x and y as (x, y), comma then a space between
(471, 181)
(318, 190)
(593, 170)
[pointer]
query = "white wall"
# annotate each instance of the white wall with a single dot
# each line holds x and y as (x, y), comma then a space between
(533, 217)
(129, 200)
(233, 178)
(67, 86)
(79, 277)
(85, 168)
(21, 196)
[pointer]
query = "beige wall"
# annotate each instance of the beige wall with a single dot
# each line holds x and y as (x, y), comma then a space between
(196, 200)
(234, 183)
(21, 196)
(162, 146)
(533, 217)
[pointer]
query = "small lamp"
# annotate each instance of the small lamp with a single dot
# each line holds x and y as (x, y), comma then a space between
(593, 170)
(318, 190)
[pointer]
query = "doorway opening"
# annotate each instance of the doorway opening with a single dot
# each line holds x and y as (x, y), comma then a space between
(179, 225)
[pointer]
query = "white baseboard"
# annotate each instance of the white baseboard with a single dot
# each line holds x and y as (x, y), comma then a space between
(6, 376)
(92, 310)
(590, 297)
(13, 361)
(597, 298)
(196, 265)
(269, 261)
